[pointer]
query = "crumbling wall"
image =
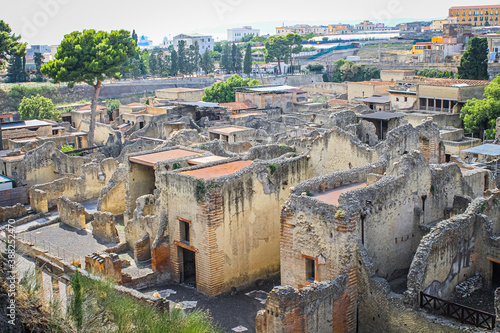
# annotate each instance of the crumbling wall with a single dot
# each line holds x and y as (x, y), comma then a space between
(86, 187)
(12, 212)
(102, 131)
(268, 152)
(309, 309)
(381, 310)
(455, 250)
(143, 222)
(72, 213)
(44, 164)
(112, 196)
(106, 265)
(335, 151)
(104, 227)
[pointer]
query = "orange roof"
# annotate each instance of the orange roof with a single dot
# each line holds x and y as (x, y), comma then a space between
(151, 159)
(218, 170)
(451, 82)
(238, 105)
(136, 104)
(475, 7)
(332, 197)
(374, 83)
(87, 108)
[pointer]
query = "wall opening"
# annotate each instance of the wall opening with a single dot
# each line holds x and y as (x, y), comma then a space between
(495, 275)
(184, 228)
(188, 269)
(310, 270)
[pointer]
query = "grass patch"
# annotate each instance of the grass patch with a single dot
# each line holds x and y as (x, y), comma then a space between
(106, 310)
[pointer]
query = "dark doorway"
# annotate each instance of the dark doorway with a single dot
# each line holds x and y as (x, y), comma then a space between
(188, 275)
(495, 276)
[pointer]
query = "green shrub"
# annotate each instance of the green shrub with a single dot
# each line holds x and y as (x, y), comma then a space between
(273, 167)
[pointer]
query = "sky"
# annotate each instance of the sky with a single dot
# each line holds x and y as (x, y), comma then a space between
(47, 21)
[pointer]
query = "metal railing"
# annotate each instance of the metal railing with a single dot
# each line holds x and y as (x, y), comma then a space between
(64, 254)
(462, 313)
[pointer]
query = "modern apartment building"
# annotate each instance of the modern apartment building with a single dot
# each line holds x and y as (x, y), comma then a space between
(302, 29)
(236, 34)
(475, 15)
(205, 42)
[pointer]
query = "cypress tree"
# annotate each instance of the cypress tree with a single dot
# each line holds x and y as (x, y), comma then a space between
(247, 63)
(474, 62)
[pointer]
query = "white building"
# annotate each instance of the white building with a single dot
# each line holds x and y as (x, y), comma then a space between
(205, 42)
(236, 34)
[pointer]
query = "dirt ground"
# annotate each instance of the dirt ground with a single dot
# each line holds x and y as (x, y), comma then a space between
(228, 311)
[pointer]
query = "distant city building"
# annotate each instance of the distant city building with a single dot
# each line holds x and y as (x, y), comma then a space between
(30, 52)
(206, 42)
(437, 25)
(302, 29)
(365, 26)
(340, 29)
(236, 34)
(475, 15)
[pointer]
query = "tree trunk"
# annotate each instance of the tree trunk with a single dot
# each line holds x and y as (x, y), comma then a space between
(93, 107)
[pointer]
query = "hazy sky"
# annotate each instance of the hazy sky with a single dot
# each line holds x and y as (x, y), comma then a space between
(47, 21)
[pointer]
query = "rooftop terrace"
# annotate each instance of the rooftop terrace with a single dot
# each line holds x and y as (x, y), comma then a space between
(332, 197)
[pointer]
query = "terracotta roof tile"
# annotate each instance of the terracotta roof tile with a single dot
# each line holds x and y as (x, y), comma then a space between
(218, 170)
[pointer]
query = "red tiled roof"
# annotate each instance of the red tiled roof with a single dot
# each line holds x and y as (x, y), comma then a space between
(475, 7)
(218, 170)
(87, 108)
(151, 159)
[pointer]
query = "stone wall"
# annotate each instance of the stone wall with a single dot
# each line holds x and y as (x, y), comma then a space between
(12, 212)
(104, 227)
(326, 88)
(292, 80)
(72, 213)
(381, 310)
(88, 186)
(112, 196)
(42, 165)
(102, 132)
(309, 309)
(456, 249)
